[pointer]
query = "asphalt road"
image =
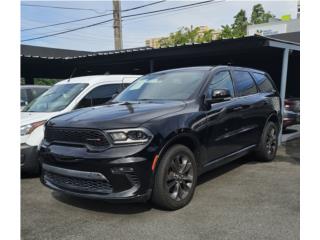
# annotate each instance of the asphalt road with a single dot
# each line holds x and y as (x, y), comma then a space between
(242, 200)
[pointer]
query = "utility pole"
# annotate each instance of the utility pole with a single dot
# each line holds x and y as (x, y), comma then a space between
(117, 24)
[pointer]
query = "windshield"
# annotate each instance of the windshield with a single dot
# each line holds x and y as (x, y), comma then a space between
(56, 98)
(175, 85)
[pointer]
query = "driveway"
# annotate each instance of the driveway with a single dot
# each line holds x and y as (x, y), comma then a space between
(242, 200)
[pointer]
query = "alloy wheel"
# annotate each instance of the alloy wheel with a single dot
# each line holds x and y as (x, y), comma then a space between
(271, 142)
(179, 178)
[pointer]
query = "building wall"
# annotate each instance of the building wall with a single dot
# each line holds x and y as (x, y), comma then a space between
(272, 28)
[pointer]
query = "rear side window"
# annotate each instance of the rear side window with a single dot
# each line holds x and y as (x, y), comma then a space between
(263, 82)
(100, 95)
(244, 83)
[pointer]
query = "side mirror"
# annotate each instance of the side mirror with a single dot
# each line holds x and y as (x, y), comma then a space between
(219, 95)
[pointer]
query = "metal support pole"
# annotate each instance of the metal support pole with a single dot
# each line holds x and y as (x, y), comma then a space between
(284, 72)
(151, 64)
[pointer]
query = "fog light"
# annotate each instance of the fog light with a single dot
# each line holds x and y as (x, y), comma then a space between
(120, 170)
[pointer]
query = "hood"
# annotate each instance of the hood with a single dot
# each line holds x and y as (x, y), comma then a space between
(31, 117)
(117, 115)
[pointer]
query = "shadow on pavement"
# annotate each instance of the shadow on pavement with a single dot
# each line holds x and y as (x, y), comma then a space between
(292, 150)
(208, 176)
(28, 175)
(102, 206)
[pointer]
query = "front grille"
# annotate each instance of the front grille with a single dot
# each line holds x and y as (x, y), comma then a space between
(78, 184)
(73, 135)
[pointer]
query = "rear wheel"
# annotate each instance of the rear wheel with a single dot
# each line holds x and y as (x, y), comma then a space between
(175, 179)
(267, 148)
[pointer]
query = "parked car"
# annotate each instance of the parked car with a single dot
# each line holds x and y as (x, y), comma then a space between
(160, 133)
(290, 118)
(63, 97)
(291, 112)
(292, 104)
(30, 92)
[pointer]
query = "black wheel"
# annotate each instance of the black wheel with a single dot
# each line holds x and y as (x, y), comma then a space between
(31, 167)
(267, 148)
(175, 179)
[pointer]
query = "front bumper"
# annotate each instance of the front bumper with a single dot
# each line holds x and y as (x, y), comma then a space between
(28, 158)
(95, 175)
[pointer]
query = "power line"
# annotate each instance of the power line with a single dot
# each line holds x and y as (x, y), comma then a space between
(93, 17)
(172, 11)
(127, 16)
(64, 8)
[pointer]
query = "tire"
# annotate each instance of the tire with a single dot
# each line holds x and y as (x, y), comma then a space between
(31, 168)
(175, 179)
(268, 145)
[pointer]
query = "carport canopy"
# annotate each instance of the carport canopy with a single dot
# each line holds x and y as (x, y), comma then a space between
(279, 55)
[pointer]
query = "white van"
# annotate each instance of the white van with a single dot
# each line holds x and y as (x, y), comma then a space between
(63, 97)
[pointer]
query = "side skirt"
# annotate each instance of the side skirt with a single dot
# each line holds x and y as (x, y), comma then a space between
(226, 159)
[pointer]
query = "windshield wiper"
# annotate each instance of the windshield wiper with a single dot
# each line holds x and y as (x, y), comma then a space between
(145, 99)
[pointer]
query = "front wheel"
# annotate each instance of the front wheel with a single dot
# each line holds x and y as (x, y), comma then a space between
(175, 179)
(267, 148)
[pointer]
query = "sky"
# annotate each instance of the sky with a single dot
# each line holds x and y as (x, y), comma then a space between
(135, 30)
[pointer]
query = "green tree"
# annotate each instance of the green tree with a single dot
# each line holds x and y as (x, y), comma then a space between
(45, 81)
(239, 27)
(206, 36)
(186, 35)
(259, 16)
(192, 34)
(226, 32)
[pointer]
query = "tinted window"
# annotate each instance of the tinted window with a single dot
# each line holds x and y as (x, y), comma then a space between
(100, 95)
(244, 83)
(221, 80)
(263, 82)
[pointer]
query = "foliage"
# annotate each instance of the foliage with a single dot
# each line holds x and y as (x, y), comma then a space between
(187, 35)
(259, 16)
(226, 32)
(239, 27)
(45, 81)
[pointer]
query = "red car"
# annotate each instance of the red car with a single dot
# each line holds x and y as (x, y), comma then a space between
(291, 112)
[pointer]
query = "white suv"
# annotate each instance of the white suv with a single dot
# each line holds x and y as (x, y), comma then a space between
(63, 97)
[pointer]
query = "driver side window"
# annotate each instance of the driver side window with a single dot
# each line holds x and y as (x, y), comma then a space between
(99, 95)
(221, 80)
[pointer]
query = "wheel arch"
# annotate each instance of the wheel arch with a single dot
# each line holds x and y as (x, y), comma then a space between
(187, 139)
(273, 117)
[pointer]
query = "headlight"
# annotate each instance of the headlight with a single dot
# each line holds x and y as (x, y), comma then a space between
(130, 136)
(27, 129)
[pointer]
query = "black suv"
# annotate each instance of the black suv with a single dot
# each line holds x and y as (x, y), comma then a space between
(159, 134)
